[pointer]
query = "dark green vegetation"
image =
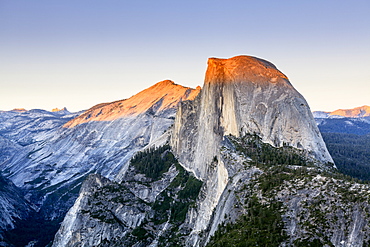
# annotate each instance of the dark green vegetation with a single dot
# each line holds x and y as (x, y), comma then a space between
(265, 154)
(345, 126)
(261, 224)
(169, 208)
(153, 162)
(348, 141)
(351, 153)
(173, 203)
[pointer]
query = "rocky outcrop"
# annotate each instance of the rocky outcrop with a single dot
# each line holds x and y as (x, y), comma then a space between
(244, 95)
(145, 209)
(252, 140)
(156, 100)
(240, 95)
(13, 207)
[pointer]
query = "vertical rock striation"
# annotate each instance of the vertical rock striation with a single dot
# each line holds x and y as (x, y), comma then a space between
(240, 95)
(252, 140)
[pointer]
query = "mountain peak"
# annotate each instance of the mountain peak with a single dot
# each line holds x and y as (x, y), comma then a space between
(165, 83)
(243, 95)
(362, 111)
(357, 112)
(19, 110)
(241, 69)
(161, 96)
(58, 110)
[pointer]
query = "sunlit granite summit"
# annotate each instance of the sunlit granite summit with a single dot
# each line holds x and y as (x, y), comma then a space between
(241, 95)
(246, 103)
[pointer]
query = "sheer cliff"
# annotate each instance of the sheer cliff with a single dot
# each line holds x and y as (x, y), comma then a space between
(244, 95)
(102, 139)
(249, 167)
(240, 95)
(146, 208)
(49, 154)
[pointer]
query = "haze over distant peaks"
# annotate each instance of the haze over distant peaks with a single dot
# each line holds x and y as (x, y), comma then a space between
(57, 109)
(159, 97)
(19, 109)
(362, 111)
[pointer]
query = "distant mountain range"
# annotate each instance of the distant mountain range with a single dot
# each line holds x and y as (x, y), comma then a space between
(47, 154)
(348, 121)
(346, 133)
(240, 162)
(362, 111)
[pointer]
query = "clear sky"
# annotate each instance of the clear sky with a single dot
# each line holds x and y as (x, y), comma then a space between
(76, 54)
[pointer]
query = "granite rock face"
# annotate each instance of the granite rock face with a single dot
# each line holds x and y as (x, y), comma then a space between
(240, 95)
(244, 95)
(50, 153)
(142, 210)
(251, 139)
(316, 204)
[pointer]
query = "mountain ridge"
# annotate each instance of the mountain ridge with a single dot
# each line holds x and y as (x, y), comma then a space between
(173, 171)
(356, 112)
(235, 100)
(50, 161)
(154, 97)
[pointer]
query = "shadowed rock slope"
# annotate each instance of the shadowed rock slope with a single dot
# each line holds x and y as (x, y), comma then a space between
(257, 174)
(13, 207)
(50, 161)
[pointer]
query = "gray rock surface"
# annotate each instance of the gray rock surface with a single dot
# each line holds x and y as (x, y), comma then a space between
(244, 95)
(240, 95)
(51, 153)
(13, 207)
(314, 205)
(140, 211)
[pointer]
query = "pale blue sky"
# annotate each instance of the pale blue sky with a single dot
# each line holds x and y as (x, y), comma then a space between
(81, 53)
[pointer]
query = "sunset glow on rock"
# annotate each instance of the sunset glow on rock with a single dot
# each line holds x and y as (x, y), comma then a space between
(240, 68)
(161, 96)
(362, 111)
